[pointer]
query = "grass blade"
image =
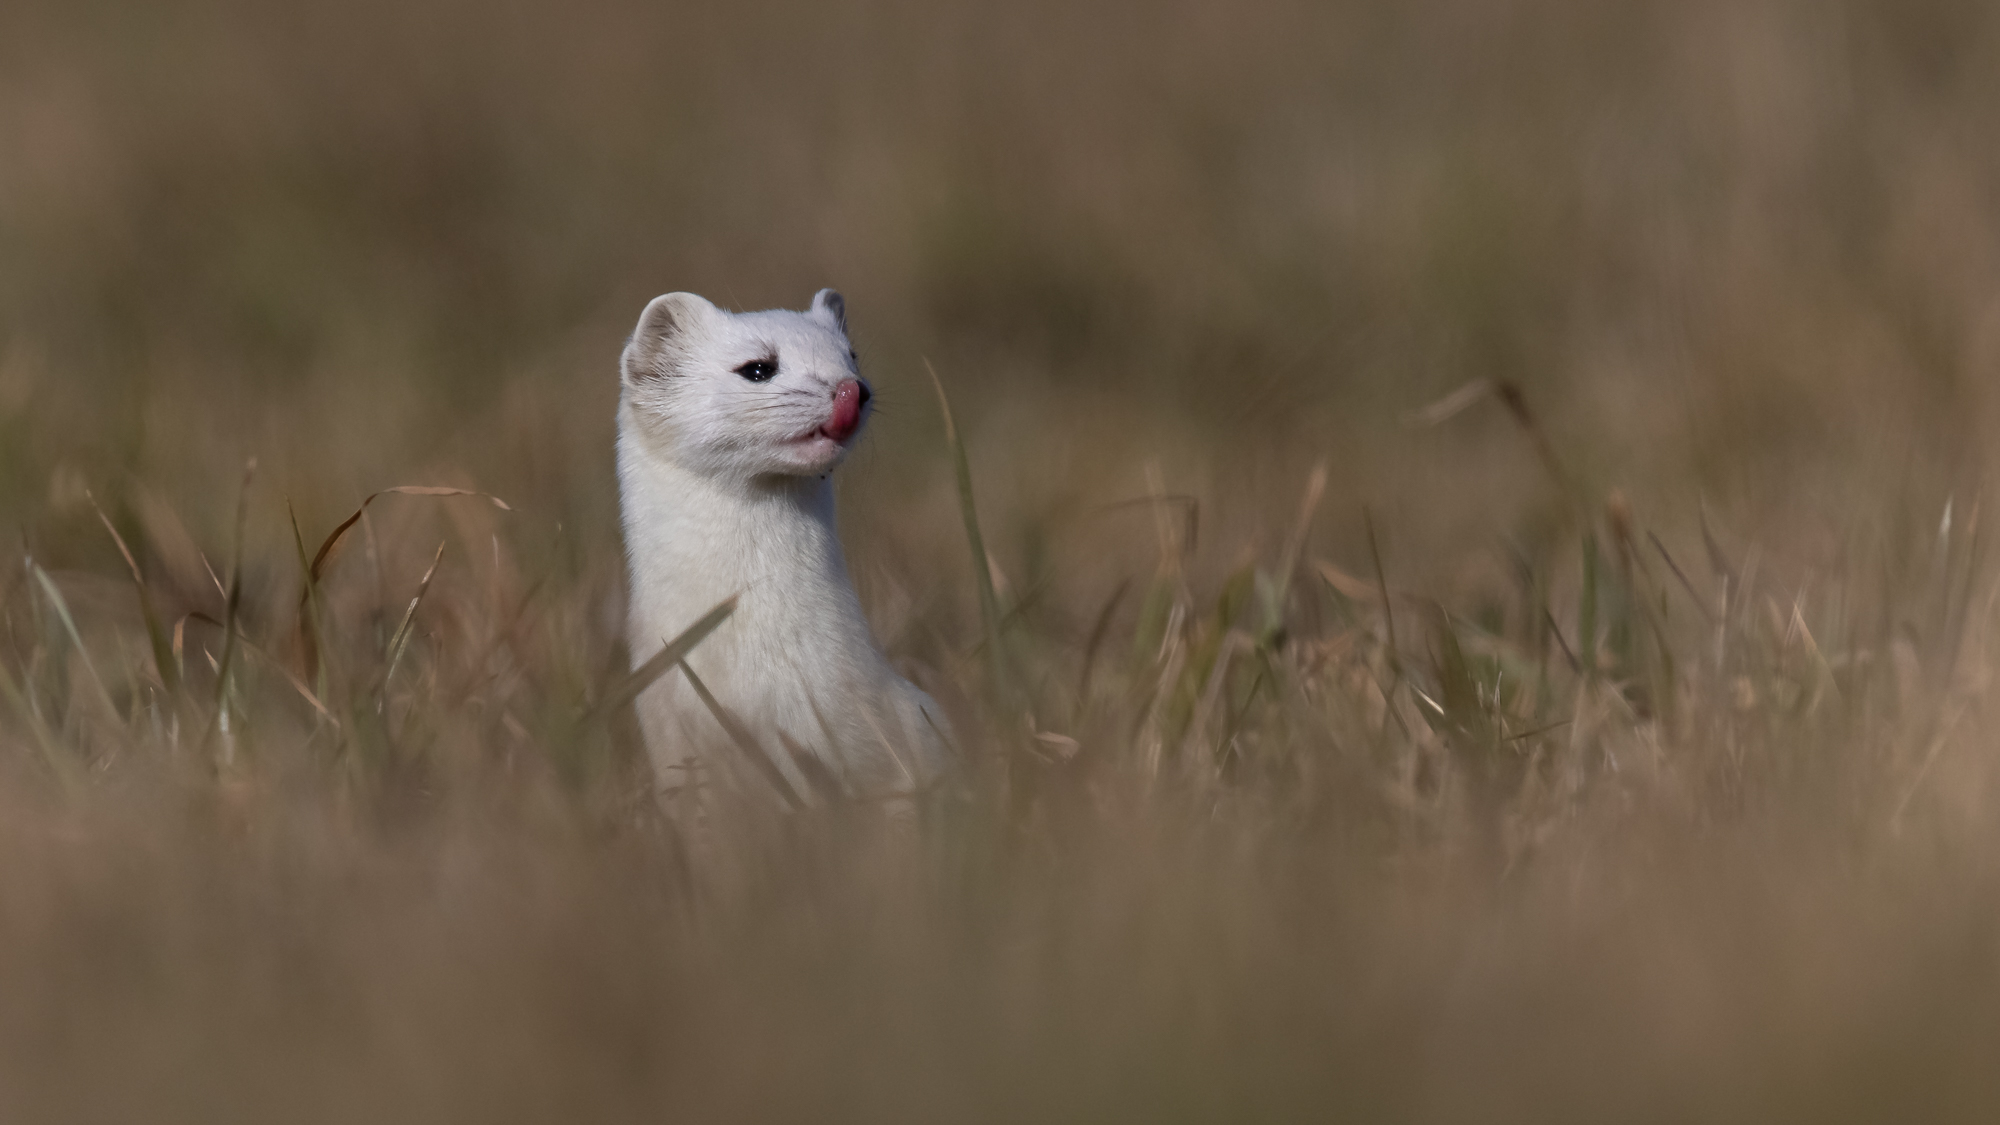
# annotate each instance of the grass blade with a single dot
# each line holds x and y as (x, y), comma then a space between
(672, 654)
(1586, 610)
(1458, 691)
(1090, 647)
(275, 664)
(746, 742)
(1000, 682)
(1382, 589)
(69, 626)
(819, 779)
(232, 599)
(59, 763)
(1694, 595)
(333, 540)
(402, 637)
(310, 614)
(1295, 544)
(163, 661)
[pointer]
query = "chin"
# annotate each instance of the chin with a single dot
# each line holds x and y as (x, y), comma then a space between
(815, 455)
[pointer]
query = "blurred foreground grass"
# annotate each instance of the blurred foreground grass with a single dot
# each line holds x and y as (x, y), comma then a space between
(1484, 504)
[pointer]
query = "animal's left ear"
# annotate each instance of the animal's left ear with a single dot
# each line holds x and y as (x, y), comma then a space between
(828, 306)
(661, 338)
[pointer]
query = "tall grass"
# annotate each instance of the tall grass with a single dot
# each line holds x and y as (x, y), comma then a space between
(1477, 607)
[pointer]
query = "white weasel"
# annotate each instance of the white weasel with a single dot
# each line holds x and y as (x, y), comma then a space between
(729, 426)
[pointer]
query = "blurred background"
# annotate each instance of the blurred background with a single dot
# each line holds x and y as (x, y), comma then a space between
(1739, 261)
(1735, 252)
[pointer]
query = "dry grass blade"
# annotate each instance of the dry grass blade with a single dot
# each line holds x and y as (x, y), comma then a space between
(1234, 644)
(1190, 508)
(62, 765)
(1718, 559)
(882, 739)
(1694, 595)
(1562, 643)
(657, 665)
(333, 539)
(1586, 608)
(816, 772)
(1557, 725)
(63, 614)
(232, 603)
(1516, 401)
(1347, 585)
(1098, 629)
(402, 637)
(745, 742)
(1382, 590)
(163, 661)
(1930, 757)
(1295, 543)
(269, 660)
(1957, 595)
(819, 779)
(310, 611)
(124, 552)
(1451, 405)
(233, 595)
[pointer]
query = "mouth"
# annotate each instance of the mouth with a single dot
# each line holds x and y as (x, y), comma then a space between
(841, 425)
(829, 431)
(813, 451)
(813, 437)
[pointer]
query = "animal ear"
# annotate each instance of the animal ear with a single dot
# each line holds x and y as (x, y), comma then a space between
(662, 336)
(829, 306)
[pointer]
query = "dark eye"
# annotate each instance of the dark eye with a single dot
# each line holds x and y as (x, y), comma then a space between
(759, 370)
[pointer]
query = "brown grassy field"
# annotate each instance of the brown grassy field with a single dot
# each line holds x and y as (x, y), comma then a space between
(1484, 502)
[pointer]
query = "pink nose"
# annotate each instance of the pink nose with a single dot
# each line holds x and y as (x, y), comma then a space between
(848, 399)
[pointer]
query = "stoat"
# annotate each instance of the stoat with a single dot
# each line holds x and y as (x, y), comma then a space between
(729, 428)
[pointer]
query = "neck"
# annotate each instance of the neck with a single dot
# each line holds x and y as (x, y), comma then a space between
(696, 539)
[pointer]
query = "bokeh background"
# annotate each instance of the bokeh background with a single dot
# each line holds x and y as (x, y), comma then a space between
(1740, 261)
(1737, 251)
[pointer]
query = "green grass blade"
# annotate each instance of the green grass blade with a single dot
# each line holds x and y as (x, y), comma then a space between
(1000, 682)
(1458, 690)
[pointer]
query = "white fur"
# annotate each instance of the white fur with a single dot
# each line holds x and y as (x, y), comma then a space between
(726, 491)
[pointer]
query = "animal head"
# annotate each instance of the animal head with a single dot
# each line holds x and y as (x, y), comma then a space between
(746, 394)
